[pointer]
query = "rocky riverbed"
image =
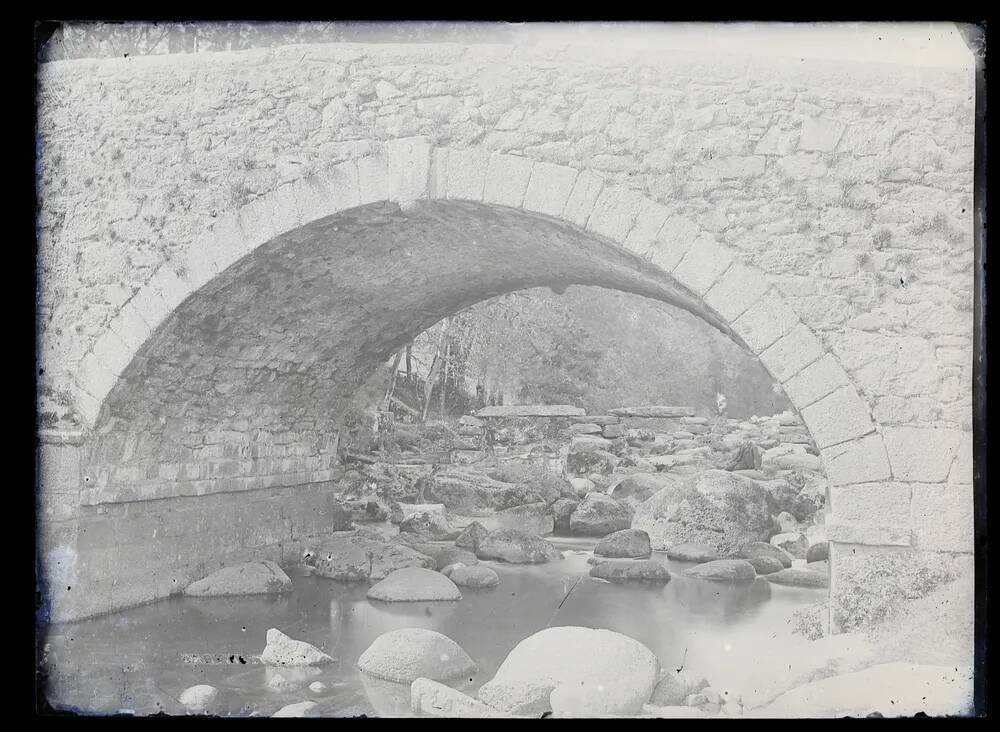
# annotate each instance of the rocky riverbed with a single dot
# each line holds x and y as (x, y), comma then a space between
(602, 570)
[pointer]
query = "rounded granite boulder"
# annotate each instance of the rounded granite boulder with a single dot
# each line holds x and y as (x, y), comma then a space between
(724, 570)
(407, 654)
(414, 584)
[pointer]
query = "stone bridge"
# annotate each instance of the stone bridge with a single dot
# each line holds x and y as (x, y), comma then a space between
(229, 243)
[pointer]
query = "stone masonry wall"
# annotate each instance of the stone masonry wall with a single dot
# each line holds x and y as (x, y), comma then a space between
(847, 188)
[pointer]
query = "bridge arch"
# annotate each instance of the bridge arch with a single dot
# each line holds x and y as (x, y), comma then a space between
(580, 229)
(646, 250)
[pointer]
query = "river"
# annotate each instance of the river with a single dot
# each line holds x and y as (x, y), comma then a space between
(141, 659)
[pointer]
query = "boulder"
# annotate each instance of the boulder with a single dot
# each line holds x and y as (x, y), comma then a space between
(584, 462)
(787, 522)
(725, 570)
(613, 431)
(614, 672)
(639, 487)
(399, 512)
(800, 577)
(516, 547)
(792, 542)
(407, 654)
(818, 552)
(471, 536)
(714, 507)
(765, 565)
(890, 689)
(676, 686)
(532, 518)
(284, 651)
(585, 428)
(765, 549)
(251, 578)
(599, 515)
(445, 555)
(367, 509)
(477, 577)
(689, 552)
(627, 543)
(561, 511)
(301, 709)
(197, 698)
(623, 570)
(414, 584)
(358, 557)
(639, 437)
(437, 700)
(430, 526)
(582, 486)
(317, 687)
(472, 493)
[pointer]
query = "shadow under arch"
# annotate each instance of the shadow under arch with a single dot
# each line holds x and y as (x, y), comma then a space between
(249, 373)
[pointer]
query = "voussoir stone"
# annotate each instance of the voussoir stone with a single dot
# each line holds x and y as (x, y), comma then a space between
(406, 654)
(414, 584)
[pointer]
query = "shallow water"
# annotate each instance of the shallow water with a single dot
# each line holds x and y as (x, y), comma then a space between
(135, 659)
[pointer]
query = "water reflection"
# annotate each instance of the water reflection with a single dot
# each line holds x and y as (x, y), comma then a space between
(136, 658)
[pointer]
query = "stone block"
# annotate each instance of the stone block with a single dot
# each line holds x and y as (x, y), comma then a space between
(702, 265)
(342, 184)
(373, 179)
(466, 175)
(839, 416)
(736, 290)
(962, 471)
(614, 212)
(507, 179)
(647, 225)
(582, 198)
(868, 534)
(408, 165)
(94, 377)
(549, 188)
(859, 461)
(820, 134)
(815, 381)
(228, 244)
(919, 454)
(171, 288)
(791, 353)
(112, 352)
(150, 306)
(883, 503)
(765, 321)
(673, 241)
(942, 517)
(728, 168)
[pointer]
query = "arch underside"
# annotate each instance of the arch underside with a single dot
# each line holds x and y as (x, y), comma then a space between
(248, 377)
